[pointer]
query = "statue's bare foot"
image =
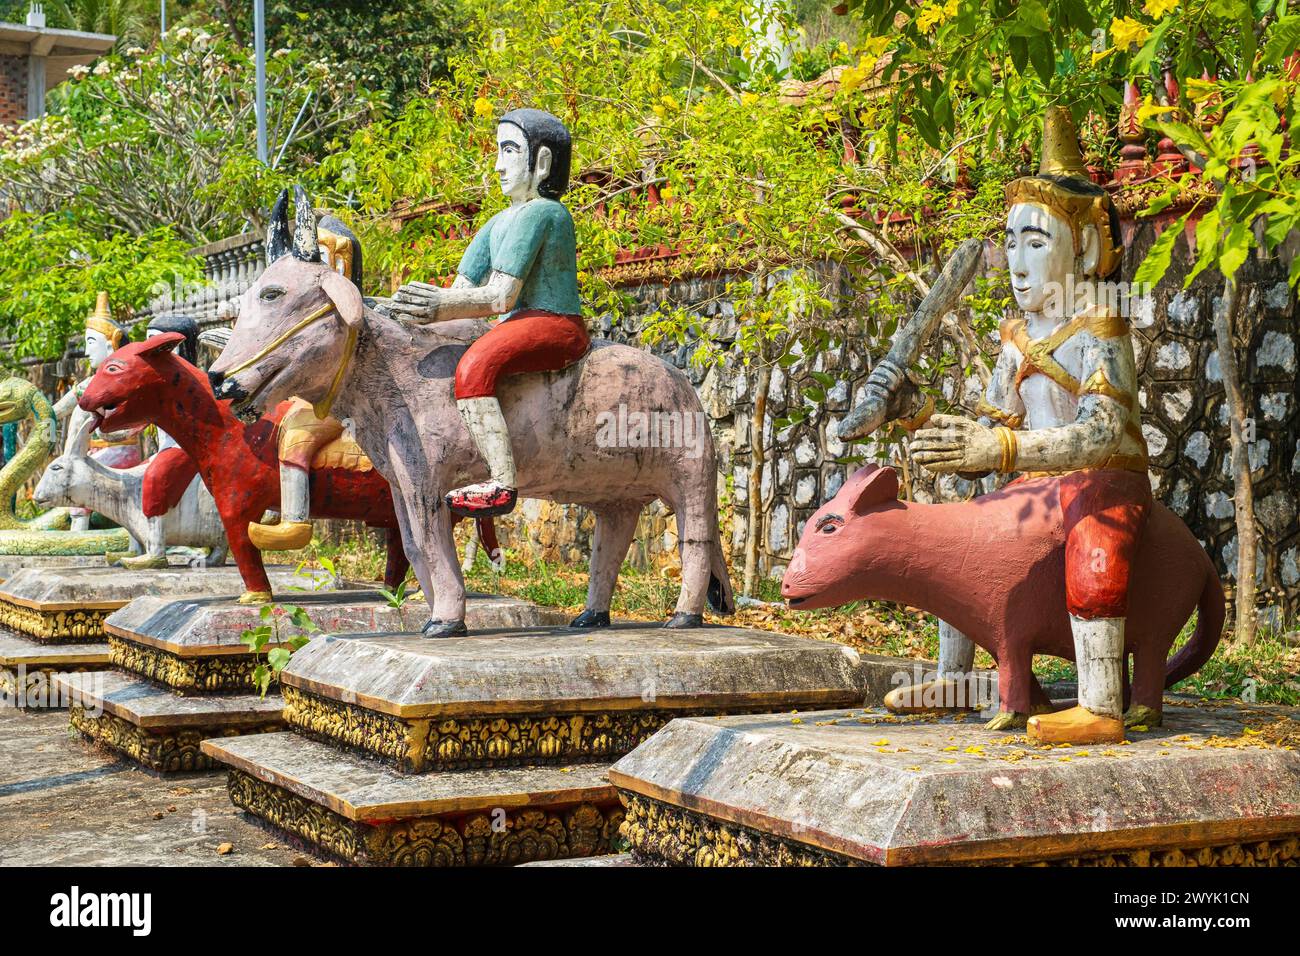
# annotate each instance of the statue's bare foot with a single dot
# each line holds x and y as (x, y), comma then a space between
(931, 697)
(1007, 720)
(1140, 715)
(1078, 725)
(143, 562)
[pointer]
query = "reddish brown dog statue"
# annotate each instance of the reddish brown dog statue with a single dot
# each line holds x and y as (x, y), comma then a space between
(994, 567)
(144, 383)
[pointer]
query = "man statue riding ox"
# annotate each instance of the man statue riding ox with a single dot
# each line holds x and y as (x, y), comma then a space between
(462, 416)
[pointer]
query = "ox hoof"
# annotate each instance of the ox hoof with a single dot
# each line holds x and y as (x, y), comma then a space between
(1007, 720)
(285, 536)
(254, 597)
(682, 619)
(1078, 725)
(437, 628)
(590, 618)
(1139, 715)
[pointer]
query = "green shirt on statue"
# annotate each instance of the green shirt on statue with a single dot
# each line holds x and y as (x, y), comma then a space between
(535, 243)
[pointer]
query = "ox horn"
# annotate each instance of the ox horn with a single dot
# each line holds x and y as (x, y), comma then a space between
(306, 242)
(277, 230)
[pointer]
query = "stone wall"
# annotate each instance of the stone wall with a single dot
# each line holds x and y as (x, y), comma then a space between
(13, 89)
(1184, 415)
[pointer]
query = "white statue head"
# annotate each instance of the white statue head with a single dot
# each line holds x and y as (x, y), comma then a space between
(1046, 272)
(533, 155)
(98, 348)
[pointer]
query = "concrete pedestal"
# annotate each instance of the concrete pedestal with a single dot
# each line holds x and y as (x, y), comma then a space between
(1214, 786)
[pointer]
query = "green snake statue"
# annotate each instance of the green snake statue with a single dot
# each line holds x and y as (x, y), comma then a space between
(44, 534)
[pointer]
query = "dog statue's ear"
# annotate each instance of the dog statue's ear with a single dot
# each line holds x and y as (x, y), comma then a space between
(345, 296)
(166, 342)
(870, 487)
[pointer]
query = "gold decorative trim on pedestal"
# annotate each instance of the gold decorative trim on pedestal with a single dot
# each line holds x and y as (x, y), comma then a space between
(167, 751)
(54, 627)
(416, 745)
(509, 838)
(661, 834)
(231, 673)
(40, 683)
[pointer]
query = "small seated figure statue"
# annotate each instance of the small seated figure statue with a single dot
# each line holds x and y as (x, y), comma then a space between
(1063, 401)
(302, 434)
(522, 265)
(170, 470)
(103, 336)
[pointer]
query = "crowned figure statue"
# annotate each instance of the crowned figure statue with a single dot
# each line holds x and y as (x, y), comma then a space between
(1063, 401)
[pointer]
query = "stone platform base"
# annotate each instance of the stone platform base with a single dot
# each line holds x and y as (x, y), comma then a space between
(70, 605)
(11, 564)
(360, 812)
(28, 669)
(155, 727)
(553, 695)
(192, 644)
(1214, 786)
(611, 861)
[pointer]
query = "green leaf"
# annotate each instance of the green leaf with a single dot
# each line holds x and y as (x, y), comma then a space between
(1146, 55)
(1019, 50)
(1281, 41)
(1042, 57)
(1156, 263)
(278, 658)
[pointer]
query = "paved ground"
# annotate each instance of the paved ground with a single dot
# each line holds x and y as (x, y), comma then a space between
(63, 802)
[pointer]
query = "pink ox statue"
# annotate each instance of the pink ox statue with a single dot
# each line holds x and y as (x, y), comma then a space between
(304, 330)
(994, 568)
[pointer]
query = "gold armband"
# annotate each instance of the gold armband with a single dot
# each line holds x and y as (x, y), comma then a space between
(1010, 449)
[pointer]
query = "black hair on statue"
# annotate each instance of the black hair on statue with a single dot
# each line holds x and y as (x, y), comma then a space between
(186, 326)
(544, 129)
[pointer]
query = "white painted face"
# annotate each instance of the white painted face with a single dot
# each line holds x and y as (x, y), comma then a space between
(1040, 255)
(98, 348)
(518, 182)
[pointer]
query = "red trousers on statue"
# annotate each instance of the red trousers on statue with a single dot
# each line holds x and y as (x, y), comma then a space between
(1105, 510)
(529, 341)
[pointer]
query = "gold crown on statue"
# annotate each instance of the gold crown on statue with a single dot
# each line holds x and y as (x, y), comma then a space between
(101, 321)
(1063, 188)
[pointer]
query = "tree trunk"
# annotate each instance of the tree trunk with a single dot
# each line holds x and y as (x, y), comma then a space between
(757, 456)
(1243, 493)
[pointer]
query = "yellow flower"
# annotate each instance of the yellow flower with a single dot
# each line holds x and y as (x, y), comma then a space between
(482, 106)
(1158, 8)
(1127, 32)
(713, 13)
(733, 40)
(556, 42)
(950, 8)
(1098, 57)
(668, 102)
(748, 99)
(1198, 90)
(931, 15)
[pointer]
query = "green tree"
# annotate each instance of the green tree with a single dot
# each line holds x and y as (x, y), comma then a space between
(168, 137)
(50, 270)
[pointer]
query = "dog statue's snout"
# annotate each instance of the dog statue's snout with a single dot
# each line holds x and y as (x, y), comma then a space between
(216, 379)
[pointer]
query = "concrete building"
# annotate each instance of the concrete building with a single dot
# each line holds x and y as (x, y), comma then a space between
(35, 59)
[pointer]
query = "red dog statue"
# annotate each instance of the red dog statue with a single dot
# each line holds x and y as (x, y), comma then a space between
(994, 568)
(144, 383)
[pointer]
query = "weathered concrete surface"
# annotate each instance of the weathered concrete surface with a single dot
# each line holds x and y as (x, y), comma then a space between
(156, 709)
(109, 588)
(28, 668)
(558, 669)
(62, 802)
(894, 790)
(361, 789)
(11, 564)
(203, 626)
